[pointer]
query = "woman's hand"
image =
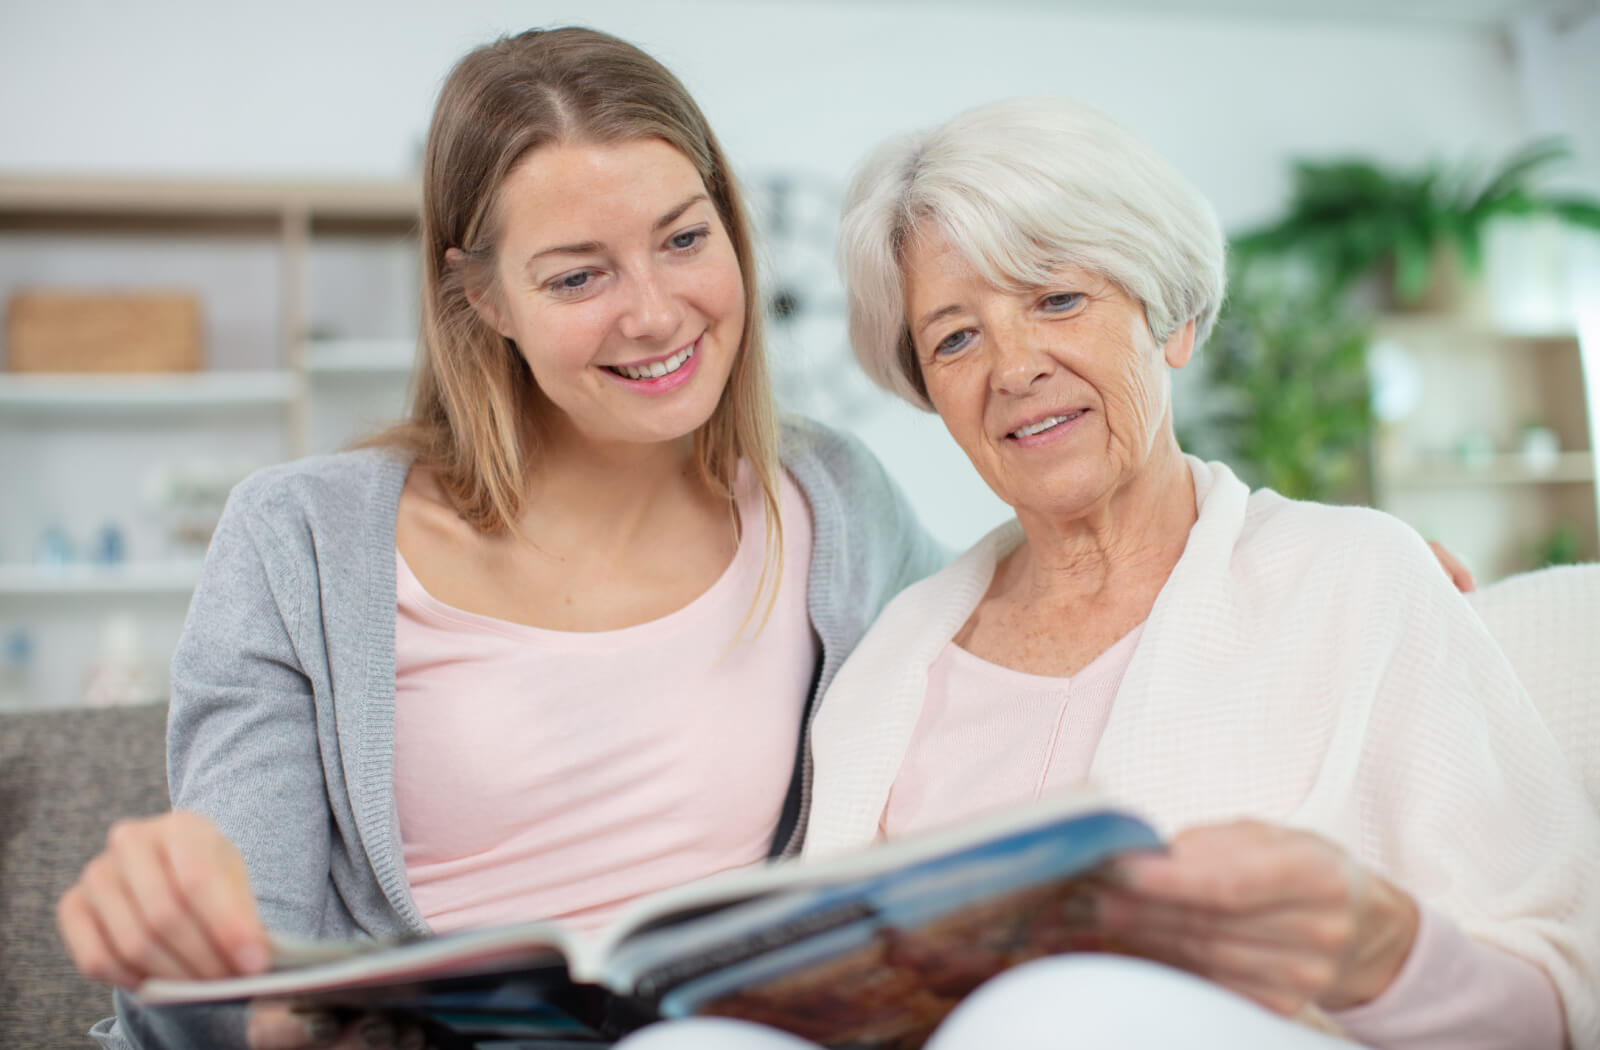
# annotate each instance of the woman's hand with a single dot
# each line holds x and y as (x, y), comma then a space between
(1282, 916)
(169, 897)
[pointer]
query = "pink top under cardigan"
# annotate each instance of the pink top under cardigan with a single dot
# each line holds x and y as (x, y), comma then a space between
(559, 775)
(990, 736)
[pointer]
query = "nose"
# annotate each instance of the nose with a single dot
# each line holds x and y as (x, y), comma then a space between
(1018, 363)
(652, 310)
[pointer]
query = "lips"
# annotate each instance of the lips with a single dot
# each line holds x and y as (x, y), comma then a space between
(1044, 423)
(661, 366)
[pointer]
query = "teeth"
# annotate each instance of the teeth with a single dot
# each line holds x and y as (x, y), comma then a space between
(1043, 425)
(659, 369)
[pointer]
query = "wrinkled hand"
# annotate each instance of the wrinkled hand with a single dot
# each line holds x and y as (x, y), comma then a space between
(1453, 568)
(1281, 916)
(169, 897)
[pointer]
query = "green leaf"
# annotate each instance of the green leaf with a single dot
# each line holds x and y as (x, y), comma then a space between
(1514, 172)
(1412, 258)
(1577, 211)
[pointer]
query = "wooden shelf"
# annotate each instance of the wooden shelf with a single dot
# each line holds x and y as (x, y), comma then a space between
(1569, 468)
(175, 577)
(44, 392)
(70, 202)
(1468, 333)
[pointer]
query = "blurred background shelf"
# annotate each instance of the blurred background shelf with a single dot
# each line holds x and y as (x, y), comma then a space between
(43, 392)
(304, 323)
(84, 580)
(1452, 463)
(1567, 469)
(337, 357)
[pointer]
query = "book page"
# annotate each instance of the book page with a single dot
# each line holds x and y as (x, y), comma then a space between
(686, 903)
(882, 960)
(319, 967)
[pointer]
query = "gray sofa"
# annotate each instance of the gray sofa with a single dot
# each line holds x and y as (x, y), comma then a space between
(64, 776)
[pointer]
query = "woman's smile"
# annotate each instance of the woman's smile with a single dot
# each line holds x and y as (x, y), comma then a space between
(1043, 430)
(658, 375)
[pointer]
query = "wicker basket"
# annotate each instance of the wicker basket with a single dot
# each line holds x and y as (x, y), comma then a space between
(50, 331)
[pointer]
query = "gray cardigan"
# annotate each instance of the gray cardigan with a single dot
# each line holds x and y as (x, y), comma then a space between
(282, 721)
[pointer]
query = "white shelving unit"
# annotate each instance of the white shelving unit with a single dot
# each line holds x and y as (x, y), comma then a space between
(1454, 465)
(46, 393)
(170, 577)
(308, 298)
(1568, 468)
(360, 356)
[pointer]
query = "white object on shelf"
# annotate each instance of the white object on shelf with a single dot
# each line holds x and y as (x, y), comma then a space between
(55, 392)
(360, 356)
(177, 576)
(122, 672)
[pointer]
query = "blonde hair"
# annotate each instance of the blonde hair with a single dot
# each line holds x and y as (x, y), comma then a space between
(1022, 188)
(472, 394)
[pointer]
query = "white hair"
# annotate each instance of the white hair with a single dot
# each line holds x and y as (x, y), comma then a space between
(1022, 188)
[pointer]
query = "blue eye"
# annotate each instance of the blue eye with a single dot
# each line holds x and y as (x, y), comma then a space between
(688, 240)
(1061, 302)
(571, 283)
(952, 342)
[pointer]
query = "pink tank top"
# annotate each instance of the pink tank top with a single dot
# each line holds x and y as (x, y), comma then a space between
(990, 737)
(559, 775)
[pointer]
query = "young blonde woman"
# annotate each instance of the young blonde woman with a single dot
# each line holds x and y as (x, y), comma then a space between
(554, 642)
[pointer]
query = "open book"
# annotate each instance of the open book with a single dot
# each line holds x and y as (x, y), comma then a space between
(867, 950)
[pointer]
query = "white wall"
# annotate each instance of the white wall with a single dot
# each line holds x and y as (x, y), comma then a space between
(319, 88)
(344, 89)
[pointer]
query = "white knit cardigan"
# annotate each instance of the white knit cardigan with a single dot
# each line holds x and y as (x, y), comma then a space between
(1303, 664)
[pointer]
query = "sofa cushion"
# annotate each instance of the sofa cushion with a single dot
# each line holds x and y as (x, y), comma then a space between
(65, 775)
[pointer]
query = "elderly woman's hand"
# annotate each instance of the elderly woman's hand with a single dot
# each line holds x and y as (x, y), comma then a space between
(1282, 916)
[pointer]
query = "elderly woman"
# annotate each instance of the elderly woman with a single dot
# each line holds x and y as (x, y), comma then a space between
(1369, 824)
(1378, 825)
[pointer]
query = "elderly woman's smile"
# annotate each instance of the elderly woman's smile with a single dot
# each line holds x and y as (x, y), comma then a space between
(1057, 392)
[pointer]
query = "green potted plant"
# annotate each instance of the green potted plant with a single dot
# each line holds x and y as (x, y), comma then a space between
(1561, 546)
(1352, 218)
(1286, 399)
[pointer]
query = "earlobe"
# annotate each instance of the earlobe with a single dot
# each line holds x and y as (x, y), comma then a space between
(1180, 345)
(479, 295)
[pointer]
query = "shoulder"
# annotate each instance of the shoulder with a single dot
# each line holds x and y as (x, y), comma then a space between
(1338, 539)
(344, 486)
(842, 481)
(808, 445)
(1350, 569)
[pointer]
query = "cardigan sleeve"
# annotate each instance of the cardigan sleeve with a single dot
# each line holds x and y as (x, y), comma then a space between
(242, 746)
(1455, 993)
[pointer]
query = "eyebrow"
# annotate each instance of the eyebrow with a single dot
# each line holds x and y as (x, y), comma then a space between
(937, 315)
(590, 247)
